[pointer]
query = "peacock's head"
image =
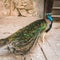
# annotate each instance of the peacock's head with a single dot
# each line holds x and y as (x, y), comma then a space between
(49, 17)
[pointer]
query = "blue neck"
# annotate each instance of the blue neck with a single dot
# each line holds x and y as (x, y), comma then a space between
(49, 17)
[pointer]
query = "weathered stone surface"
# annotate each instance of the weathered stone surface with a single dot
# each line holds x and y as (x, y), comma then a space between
(15, 13)
(23, 12)
(31, 11)
(24, 6)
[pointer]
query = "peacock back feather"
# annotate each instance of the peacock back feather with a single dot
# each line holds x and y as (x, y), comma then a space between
(23, 39)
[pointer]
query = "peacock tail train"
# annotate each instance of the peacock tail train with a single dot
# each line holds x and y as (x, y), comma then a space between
(24, 39)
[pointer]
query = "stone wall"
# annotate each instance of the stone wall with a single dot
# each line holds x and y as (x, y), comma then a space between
(20, 7)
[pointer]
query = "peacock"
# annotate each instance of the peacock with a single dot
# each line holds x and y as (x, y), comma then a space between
(22, 41)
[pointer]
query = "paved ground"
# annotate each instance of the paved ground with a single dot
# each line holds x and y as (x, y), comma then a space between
(49, 50)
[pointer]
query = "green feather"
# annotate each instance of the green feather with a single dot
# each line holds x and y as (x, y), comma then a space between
(24, 38)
